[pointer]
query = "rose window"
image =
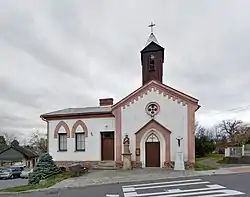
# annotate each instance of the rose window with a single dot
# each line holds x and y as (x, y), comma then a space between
(152, 109)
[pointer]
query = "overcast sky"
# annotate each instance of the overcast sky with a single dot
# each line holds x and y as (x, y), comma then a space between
(57, 54)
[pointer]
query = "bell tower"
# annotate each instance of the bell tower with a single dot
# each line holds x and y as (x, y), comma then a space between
(152, 59)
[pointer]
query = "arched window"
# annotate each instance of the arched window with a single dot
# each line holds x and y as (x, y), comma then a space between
(152, 63)
(62, 132)
(80, 139)
(152, 138)
(80, 132)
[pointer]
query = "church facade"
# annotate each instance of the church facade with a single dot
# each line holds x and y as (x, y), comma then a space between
(159, 121)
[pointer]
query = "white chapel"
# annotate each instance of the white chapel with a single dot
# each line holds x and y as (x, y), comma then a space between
(158, 119)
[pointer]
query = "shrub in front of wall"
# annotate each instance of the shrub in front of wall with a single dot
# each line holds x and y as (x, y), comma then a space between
(45, 168)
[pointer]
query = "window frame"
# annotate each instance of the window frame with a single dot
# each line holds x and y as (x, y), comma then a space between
(151, 63)
(59, 142)
(151, 68)
(76, 142)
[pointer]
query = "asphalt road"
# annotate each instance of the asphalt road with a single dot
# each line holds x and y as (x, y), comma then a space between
(12, 183)
(207, 186)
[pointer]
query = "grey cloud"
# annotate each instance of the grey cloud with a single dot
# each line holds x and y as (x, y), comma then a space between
(11, 92)
(83, 50)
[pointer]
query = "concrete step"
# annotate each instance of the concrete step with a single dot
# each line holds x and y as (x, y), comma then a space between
(105, 165)
(104, 168)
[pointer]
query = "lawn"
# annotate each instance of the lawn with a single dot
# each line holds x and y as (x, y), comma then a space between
(209, 162)
(44, 184)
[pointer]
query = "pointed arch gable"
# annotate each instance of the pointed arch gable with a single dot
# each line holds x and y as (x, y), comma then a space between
(171, 93)
(81, 124)
(154, 125)
(58, 126)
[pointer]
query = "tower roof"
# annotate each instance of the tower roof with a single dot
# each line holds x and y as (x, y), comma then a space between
(151, 38)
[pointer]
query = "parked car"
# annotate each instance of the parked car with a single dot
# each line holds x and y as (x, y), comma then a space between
(16, 171)
(25, 173)
(8, 173)
(17, 168)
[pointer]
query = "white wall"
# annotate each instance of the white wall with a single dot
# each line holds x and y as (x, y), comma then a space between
(92, 143)
(172, 115)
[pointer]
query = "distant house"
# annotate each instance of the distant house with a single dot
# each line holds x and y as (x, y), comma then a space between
(15, 153)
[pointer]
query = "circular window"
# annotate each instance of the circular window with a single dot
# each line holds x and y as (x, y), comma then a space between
(152, 108)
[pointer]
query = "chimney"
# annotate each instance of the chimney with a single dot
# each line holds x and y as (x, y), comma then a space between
(106, 101)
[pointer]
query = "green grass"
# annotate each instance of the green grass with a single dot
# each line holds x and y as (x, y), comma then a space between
(215, 156)
(209, 162)
(44, 184)
(201, 167)
(224, 160)
(212, 156)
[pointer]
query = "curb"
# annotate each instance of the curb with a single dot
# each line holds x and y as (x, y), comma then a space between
(31, 191)
(54, 190)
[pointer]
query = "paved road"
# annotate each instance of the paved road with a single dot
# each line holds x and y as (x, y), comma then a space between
(12, 183)
(208, 186)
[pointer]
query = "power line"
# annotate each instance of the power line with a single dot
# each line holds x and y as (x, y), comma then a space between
(235, 110)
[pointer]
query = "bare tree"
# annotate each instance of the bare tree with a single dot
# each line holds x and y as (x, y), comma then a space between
(230, 128)
(9, 137)
(243, 135)
(38, 142)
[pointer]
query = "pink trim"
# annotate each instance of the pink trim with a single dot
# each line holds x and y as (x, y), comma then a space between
(79, 123)
(191, 133)
(58, 126)
(118, 133)
(162, 89)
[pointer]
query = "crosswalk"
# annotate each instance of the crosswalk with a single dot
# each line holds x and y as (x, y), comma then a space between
(179, 188)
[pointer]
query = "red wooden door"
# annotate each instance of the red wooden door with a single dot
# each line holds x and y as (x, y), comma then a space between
(152, 154)
(107, 145)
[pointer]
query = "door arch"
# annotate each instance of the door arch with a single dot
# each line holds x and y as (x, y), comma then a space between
(152, 151)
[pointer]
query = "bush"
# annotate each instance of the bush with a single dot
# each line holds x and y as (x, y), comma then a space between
(45, 168)
(203, 145)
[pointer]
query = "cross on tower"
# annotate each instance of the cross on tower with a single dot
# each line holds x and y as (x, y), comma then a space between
(151, 26)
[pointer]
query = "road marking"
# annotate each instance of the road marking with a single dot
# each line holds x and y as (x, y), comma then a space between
(173, 185)
(112, 195)
(209, 187)
(128, 189)
(225, 192)
(130, 194)
(212, 190)
(159, 183)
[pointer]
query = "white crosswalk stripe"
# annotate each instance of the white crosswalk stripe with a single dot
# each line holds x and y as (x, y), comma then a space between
(177, 188)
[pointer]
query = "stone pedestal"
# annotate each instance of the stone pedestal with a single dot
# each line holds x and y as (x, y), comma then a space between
(179, 161)
(127, 164)
(126, 149)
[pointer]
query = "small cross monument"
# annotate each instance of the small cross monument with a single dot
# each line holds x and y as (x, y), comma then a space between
(179, 160)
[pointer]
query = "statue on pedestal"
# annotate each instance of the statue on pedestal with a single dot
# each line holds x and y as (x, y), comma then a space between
(179, 160)
(126, 143)
(126, 154)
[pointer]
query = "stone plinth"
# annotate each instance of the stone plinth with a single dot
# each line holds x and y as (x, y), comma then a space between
(126, 149)
(179, 161)
(127, 164)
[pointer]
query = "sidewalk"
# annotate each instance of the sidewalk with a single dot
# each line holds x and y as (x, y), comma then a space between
(118, 176)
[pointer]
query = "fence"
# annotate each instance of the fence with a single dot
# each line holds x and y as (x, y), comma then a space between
(244, 150)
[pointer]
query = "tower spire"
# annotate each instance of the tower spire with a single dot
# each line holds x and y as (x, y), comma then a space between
(151, 37)
(152, 59)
